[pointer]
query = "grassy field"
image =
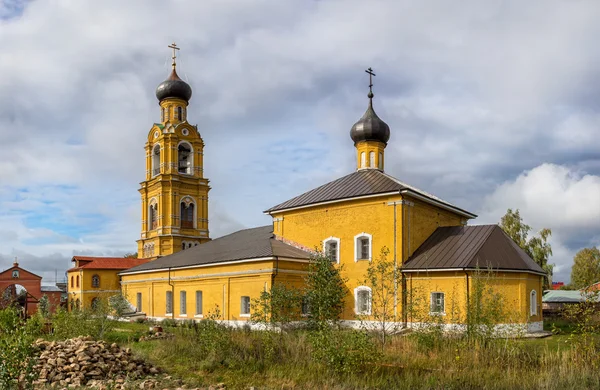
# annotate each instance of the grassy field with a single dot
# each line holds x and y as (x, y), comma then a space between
(242, 359)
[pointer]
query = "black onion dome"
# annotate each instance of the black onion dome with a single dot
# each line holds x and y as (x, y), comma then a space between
(174, 87)
(370, 127)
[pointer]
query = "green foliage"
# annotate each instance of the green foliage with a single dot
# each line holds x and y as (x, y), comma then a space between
(44, 306)
(381, 277)
(118, 305)
(344, 351)
(16, 351)
(131, 255)
(486, 306)
(278, 307)
(586, 268)
(93, 322)
(585, 318)
(324, 292)
(536, 247)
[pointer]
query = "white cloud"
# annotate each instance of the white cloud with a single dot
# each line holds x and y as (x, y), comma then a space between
(474, 95)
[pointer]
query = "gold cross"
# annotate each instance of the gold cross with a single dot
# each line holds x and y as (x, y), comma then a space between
(175, 48)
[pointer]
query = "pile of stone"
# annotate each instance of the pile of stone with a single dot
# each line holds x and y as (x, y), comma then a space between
(77, 361)
(157, 336)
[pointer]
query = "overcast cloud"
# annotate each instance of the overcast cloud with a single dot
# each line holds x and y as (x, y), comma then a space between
(492, 105)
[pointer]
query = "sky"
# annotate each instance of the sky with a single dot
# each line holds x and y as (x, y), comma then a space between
(492, 105)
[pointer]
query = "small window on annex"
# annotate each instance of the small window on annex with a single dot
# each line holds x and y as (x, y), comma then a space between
(437, 303)
(77, 281)
(72, 283)
(95, 281)
(362, 246)
(363, 159)
(331, 248)
(138, 302)
(169, 306)
(95, 303)
(372, 159)
(362, 298)
(533, 303)
(380, 162)
(182, 303)
(198, 303)
(245, 306)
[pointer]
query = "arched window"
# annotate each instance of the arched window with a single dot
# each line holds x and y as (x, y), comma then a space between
(77, 281)
(380, 162)
(372, 159)
(185, 158)
(95, 303)
(156, 160)
(153, 215)
(363, 159)
(95, 281)
(362, 300)
(162, 114)
(533, 303)
(77, 304)
(187, 215)
(166, 114)
(183, 246)
(362, 246)
(331, 248)
(72, 284)
(179, 113)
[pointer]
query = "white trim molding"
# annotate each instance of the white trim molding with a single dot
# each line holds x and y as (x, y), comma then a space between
(357, 248)
(337, 251)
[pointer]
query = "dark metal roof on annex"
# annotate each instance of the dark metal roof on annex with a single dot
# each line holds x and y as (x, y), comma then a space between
(364, 182)
(470, 247)
(245, 244)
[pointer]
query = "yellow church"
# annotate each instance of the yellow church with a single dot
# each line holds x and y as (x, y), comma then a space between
(350, 219)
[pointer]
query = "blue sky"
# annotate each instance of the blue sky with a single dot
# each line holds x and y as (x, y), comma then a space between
(491, 105)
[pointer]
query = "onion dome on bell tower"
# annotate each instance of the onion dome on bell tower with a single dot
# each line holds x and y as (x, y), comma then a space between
(173, 86)
(370, 135)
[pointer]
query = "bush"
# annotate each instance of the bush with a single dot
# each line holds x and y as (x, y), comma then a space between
(344, 351)
(16, 351)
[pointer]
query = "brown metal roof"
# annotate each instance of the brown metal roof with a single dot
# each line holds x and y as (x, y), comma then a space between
(241, 245)
(360, 183)
(470, 247)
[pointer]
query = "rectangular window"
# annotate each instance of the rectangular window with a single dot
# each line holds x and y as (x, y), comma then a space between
(437, 302)
(364, 248)
(332, 251)
(245, 306)
(138, 302)
(198, 303)
(169, 308)
(182, 303)
(305, 306)
(363, 302)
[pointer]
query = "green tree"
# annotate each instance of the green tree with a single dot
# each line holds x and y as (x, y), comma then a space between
(133, 255)
(324, 292)
(381, 278)
(44, 306)
(277, 307)
(586, 268)
(536, 247)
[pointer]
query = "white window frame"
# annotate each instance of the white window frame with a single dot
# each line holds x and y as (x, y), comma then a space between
(371, 159)
(437, 313)
(357, 247)
(369, 304)
(199, 313)
(182, 303)
(168, 294)
(533, 309)
(242, 306)
(337, 241)
(190, 158)
(363, 159)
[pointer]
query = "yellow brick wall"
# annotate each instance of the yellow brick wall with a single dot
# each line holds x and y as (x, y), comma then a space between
(109, 285)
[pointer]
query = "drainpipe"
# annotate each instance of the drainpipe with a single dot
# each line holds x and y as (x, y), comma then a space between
(172, 296)
(276, 271)
(467, 279)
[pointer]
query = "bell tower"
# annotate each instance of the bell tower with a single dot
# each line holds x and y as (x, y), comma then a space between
(175, 191)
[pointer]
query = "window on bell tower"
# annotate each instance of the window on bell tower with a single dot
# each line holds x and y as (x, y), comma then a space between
(156, 160)
(185, 157)
(187, 215)
(372, 159)
(153, 216)
(179, 113)
(363, 159)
